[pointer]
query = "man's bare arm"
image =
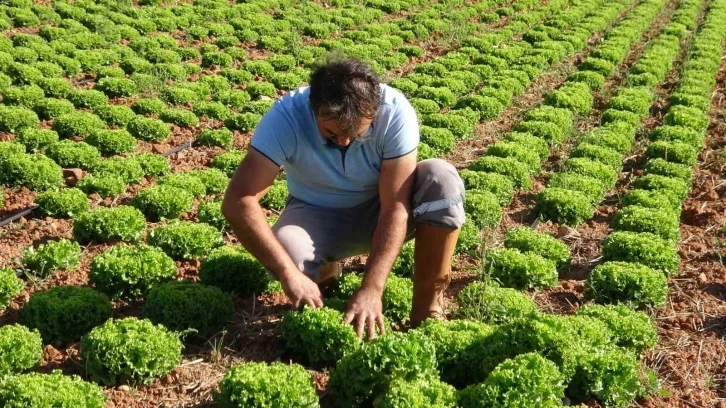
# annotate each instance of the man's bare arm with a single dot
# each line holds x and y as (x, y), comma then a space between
(241, 207)
(395, 191)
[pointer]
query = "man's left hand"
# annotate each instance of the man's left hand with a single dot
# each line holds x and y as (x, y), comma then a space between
(366, 310)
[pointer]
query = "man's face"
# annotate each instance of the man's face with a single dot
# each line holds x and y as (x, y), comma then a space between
(330, 129)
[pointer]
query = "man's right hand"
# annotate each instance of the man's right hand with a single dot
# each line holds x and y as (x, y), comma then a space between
(241, 207)
(301, 290)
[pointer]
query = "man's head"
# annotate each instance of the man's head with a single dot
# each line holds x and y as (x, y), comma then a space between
(345, 95)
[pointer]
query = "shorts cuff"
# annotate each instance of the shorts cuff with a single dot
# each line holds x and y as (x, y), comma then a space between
(436, 205)
(446, 213)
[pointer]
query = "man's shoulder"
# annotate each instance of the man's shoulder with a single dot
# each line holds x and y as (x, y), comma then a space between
(395, 105)
(391, 96)
(294, 103)
(296, 97)
(293, 107)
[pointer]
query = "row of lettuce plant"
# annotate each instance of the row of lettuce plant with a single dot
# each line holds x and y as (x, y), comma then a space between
(110, 177)
(127, 122)
(574, 192)
(500, 82)
(509, 164)
(506, 344)
(40, 92)
(588, 355)
(531, 259)
(480, 80)
(21, 14)
(642, 252)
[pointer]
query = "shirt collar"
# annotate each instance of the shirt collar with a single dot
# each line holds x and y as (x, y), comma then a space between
(368, 134)
(327, 142)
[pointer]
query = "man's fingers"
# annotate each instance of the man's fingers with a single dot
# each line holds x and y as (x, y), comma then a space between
(359, 324)
(349, 316)
(318, 301)
(311, 303)
(371, 323)
(381, 324)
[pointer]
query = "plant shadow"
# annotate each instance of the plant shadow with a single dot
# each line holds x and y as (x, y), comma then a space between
(717, 290)
(716, 325)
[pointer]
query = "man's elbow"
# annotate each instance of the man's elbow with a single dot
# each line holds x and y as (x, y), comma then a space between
(396, 213)
(229, 204)
(232, 204)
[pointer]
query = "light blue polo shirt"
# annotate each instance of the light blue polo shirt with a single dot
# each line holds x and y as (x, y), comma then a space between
(318, 171)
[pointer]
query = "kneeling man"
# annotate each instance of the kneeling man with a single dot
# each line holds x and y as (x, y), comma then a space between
(348, 146)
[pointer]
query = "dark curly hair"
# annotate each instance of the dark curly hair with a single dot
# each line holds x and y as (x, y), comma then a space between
(346, 89)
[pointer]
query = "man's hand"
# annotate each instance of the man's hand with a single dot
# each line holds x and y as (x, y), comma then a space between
(366, 310)
(241, 207)
(395, 191)
(302, 291)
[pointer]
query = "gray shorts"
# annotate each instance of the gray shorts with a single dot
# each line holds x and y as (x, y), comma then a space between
(313, 235)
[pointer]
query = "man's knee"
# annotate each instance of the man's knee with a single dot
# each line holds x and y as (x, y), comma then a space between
(297, 243)
(439, 177)
(439, 194)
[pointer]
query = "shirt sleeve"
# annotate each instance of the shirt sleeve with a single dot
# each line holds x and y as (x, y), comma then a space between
(402, 136)
(274, 137)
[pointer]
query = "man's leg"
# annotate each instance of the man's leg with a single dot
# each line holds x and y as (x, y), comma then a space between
(329, 273)
(432, 259)
(316, 238)
(439, 213)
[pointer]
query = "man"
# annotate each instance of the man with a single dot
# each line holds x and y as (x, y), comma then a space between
(348, 146)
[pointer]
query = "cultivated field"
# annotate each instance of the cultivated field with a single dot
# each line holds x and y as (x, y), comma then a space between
(589, 134)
